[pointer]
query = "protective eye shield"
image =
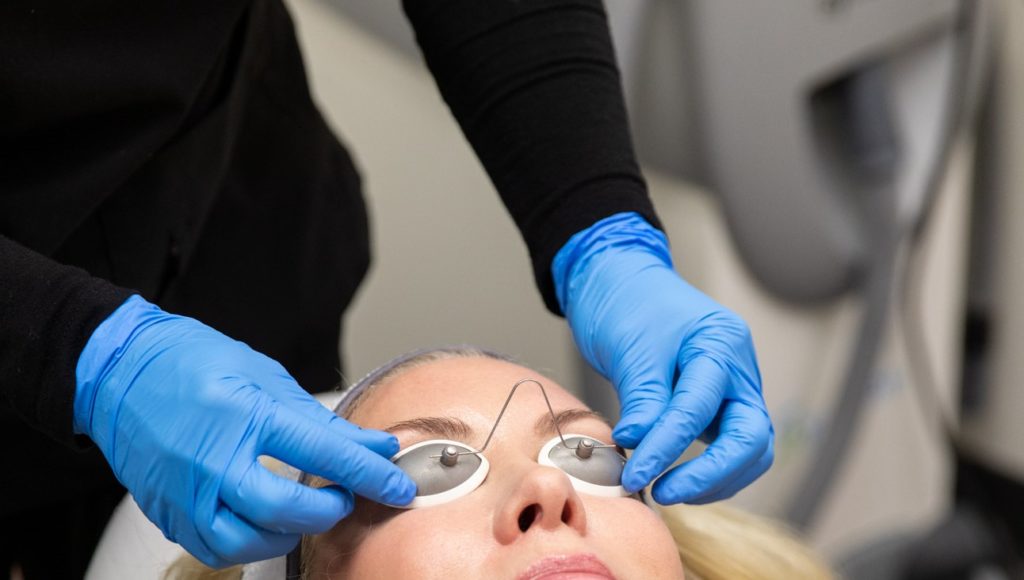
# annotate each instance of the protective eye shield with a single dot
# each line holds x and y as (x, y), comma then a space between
(592, 467)
(446, 470)
(439, 472)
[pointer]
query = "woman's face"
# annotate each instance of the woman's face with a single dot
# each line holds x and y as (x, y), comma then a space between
(524, 522)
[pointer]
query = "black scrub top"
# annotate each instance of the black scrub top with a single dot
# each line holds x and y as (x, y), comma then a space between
(171, 148)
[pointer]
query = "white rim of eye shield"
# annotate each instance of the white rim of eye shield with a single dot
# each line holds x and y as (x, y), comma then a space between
(463, 489)
(580, 485)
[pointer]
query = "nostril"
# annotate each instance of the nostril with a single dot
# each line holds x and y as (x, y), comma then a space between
(566, 513)
(527, 517)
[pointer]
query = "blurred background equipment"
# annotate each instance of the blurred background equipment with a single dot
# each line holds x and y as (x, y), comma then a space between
(843, 174)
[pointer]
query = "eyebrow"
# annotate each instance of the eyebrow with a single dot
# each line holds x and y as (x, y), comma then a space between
(457, 429)
(545, 424)
(442, 427)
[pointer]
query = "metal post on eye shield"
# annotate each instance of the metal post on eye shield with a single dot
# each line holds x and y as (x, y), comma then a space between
(583, 451)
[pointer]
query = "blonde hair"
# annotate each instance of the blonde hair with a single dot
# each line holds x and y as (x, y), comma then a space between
(715, 542)
(720, 542)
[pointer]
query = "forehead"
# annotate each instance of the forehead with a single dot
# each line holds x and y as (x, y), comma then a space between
(470, 388)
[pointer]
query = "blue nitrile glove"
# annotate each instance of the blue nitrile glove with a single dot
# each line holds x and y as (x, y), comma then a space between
(683, 366)
(182, 412)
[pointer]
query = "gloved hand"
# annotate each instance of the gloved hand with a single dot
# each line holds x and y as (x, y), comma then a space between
(683, 366)
(181, 413)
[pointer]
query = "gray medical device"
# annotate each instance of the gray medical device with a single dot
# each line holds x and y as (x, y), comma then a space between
(796, 113)
(822, 127)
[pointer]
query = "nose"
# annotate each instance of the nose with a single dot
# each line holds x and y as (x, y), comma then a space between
(543, 499)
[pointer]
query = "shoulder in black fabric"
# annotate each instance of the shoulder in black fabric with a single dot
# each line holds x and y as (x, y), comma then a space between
(92, 90)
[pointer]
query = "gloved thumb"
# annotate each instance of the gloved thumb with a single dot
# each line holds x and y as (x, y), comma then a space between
(380, 442)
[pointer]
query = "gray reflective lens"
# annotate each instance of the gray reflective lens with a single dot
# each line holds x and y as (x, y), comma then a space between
(603, 467)
(424, 467)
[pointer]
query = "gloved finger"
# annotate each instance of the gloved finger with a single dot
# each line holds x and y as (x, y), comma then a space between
(283, 388)
(232, 540)
(741, 481)
(284, 506)
(327, 452)
(380, 442)
(693, 406)
(643, 400)
(745, 434)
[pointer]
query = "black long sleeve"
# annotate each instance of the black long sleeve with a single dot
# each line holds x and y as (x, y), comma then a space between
(162, 140)
(535, 88)
(92, 93)
(47, 313)
(170, 147)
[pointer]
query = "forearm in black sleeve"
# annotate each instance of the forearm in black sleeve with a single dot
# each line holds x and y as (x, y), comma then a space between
(47, 313)
(535, 87)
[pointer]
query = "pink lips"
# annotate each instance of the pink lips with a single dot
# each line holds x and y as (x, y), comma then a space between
(578, 566)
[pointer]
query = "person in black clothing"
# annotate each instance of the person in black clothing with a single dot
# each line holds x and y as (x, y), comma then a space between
(166, 157)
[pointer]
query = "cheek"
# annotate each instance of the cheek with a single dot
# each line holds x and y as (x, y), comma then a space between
(632, 539)
(443, 542)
